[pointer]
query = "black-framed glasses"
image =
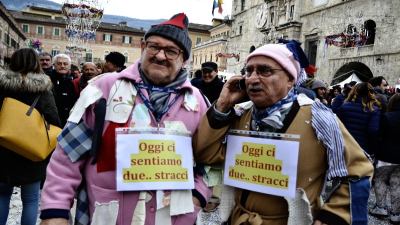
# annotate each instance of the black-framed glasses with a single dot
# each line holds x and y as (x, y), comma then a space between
(261, 70)
(170, 53)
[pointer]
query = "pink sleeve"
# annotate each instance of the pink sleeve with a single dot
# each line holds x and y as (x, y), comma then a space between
(202, 187)
(62, 179)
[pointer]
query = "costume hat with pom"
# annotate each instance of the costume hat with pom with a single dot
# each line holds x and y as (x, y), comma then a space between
(176, 30)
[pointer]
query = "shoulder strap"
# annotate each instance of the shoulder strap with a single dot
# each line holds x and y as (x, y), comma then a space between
(32, 107)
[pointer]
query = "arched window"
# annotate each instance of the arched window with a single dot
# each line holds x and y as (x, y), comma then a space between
(370, 29)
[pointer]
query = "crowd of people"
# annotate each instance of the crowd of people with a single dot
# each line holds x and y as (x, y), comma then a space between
(347, 136)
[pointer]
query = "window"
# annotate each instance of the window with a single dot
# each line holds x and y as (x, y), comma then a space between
(198, 40)
(55, 52)
(106, 53)
(243, 2)
(272, 15)
(107, 37)
(13, 43)
(40, 30)
(291, 13)
(25, 28)
(89, 57)
(370, 30)
(127, 39)
(311, 48)
(126, 56)
(56, 31)
(240, 30)
(211, 58)
(7, 39)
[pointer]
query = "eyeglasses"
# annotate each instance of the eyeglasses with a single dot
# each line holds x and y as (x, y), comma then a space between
(170, 53)
(261, 70)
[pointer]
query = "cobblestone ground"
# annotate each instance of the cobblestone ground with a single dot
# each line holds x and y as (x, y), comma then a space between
(16, 208)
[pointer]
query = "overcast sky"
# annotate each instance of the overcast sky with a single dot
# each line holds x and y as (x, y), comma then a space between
(198, 11)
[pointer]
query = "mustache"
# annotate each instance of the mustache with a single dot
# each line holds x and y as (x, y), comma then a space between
(256, 87)
(159, 62)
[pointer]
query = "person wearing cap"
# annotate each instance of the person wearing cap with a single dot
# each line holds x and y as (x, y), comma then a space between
(114, 62)
(153, 93)
(210, 84)
(319, 88)
(326, 149)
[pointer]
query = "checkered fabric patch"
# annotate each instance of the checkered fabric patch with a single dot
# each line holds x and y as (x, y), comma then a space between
(75, 140)
(82, 207)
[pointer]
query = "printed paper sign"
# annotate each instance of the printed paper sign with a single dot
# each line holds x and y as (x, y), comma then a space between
(262, 165)
(150, 161)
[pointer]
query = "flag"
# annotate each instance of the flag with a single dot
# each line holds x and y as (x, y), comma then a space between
(215, 5)
(220, 2)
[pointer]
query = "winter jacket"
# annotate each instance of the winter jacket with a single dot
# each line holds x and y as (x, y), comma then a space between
(210, 148)
(64, 94)
(389, 150)
(337, 102)
(362, 125)
(211, 90)
(64, 176)
(381, 97)
(15, 169)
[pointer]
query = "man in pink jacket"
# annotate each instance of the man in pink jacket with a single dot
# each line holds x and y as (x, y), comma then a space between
(154, 92)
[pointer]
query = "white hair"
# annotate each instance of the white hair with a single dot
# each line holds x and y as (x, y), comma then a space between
(64, 56)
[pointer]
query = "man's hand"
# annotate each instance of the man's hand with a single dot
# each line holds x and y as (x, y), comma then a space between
(55, 221)
(317, 222)
(230, 94)
(196, 202)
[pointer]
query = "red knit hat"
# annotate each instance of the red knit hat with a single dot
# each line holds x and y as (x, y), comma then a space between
(176, 30)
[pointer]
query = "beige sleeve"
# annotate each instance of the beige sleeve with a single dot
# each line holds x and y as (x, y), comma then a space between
(358, 166)
(208, 144)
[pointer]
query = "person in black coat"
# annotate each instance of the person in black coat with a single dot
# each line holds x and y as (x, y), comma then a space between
(63, 87)
(210, 85)
(387, 173)
(24, 82)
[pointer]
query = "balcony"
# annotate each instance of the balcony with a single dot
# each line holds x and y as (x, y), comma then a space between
(357, 51)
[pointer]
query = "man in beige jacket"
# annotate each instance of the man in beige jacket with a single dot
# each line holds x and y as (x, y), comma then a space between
(326, 149)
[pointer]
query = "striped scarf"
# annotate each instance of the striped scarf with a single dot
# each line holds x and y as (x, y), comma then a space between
(273, 116)
(159, 99)
(328, 132)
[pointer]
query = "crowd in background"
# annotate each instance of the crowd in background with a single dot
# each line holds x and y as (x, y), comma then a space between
(59, 83)
(369, 110)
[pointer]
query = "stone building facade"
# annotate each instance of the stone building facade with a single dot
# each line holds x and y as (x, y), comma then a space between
(48, 25)
(257, 22)
(340, 37)
(212, 49)
(378, 22)
(11, 36)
